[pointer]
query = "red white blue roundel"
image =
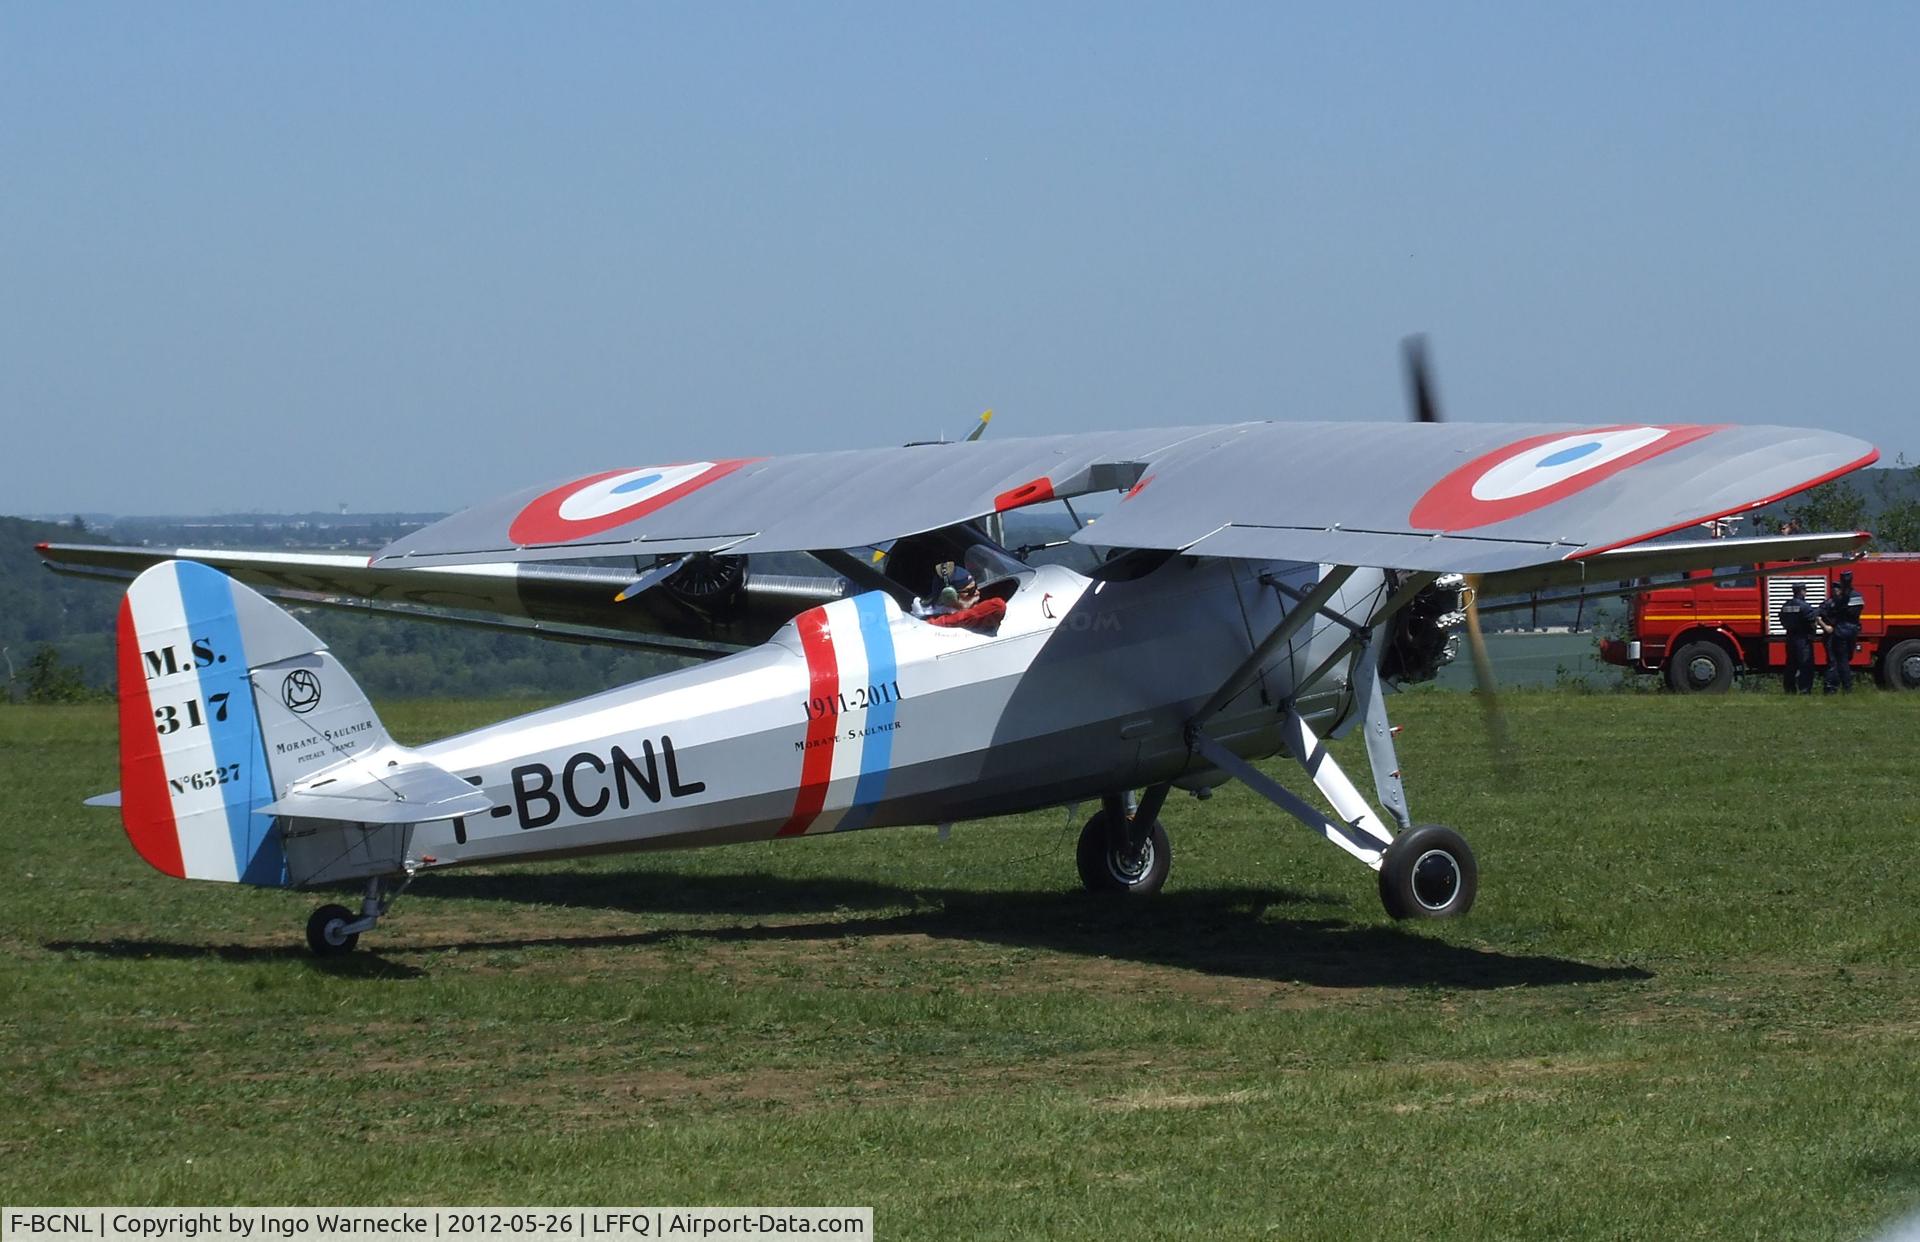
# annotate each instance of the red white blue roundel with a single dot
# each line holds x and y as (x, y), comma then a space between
(600, 502)
(1537, 471)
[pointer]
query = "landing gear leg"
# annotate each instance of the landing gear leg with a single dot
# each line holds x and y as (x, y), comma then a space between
(334, 929)
(1428, 872)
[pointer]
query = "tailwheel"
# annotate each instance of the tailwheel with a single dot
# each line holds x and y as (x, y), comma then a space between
(1111, 862)
(326, 934)
(1428, 873)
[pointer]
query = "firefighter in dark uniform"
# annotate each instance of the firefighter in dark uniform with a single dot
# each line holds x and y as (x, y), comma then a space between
(1797, 619)
(1840, 618)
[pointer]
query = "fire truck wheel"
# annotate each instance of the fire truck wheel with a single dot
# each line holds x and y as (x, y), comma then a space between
(1428, 873)
(1902, 665)
(1700, 667)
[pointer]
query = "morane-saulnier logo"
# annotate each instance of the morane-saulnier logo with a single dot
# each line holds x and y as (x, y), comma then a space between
(300, 691)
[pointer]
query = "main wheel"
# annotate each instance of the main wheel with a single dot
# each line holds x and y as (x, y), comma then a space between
(1901, 665)
(324, 936)
(1700, 667)
(1108, 866)
(1428, 873)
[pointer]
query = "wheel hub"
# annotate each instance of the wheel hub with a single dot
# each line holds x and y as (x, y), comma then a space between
(1436, 878)
(1910, 670)
(1702, 671)
(1128, 866)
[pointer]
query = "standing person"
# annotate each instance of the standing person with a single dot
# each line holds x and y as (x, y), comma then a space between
(1797, 618)
(1840, 617)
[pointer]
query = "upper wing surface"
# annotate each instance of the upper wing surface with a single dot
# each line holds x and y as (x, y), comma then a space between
(799, 503)
(1476, 498)
(1452, 496)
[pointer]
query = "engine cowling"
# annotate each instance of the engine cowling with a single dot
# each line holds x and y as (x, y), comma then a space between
(1425, 635)
(711, 585)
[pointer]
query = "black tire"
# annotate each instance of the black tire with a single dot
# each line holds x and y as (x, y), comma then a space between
(1900, 666)
(323, 934)
(1429, 873)
(1700, 667)
(1105, 867)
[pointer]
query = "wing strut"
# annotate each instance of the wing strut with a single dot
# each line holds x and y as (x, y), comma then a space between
(1355, 826)
(1309, 606)
(1360, 832)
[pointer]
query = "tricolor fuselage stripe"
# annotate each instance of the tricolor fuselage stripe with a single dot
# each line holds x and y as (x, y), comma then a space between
(850, 666)
(877, 733)
(823, 682)
(145, 810)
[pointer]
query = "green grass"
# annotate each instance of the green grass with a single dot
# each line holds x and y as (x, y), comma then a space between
(1686, 1006)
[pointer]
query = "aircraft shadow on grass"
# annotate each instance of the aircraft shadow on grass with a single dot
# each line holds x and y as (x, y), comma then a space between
(346, 966)
(1245, 932)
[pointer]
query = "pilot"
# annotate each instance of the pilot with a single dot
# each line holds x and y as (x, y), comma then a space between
(948, 600)
(1796, 619)
(974, 613)
(947, 594)
(1840, 618)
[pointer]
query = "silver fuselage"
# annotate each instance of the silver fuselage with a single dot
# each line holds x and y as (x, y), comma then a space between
(855, 715)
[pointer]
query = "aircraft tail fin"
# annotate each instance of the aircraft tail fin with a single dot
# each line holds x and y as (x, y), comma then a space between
(226, 702)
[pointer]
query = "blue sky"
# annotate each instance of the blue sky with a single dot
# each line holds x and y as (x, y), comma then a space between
(411, 256)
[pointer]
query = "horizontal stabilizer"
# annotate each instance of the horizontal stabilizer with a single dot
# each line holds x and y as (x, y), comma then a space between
(388, 786)
(572, 603)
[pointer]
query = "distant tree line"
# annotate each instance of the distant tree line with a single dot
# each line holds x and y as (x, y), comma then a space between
(56, 642)
(1889, 506)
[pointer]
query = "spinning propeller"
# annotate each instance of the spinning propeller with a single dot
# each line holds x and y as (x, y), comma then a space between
(1426, 409)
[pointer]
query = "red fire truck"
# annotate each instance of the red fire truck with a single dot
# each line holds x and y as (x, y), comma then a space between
(1699, 634)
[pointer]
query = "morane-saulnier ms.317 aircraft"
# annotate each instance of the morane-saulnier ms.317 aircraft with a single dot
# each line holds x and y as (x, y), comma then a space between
(1256, 585)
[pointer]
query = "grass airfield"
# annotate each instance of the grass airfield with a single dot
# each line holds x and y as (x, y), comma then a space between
(1685, 1006)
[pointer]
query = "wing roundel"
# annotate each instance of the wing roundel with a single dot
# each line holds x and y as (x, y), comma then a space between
(583, 508)
(1518, 478)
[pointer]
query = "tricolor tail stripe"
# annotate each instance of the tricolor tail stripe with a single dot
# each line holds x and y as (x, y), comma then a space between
(145, 809)
(193, 764)
(208, 603)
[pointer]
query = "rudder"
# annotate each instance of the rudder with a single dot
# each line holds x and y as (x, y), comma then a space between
(224, 699)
